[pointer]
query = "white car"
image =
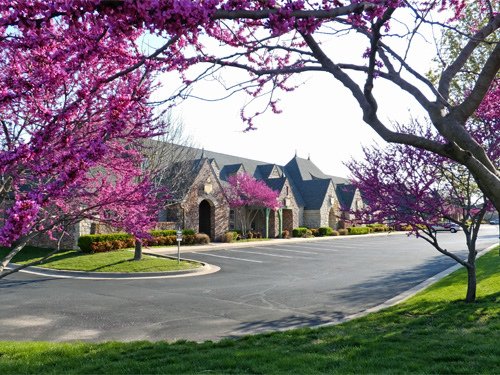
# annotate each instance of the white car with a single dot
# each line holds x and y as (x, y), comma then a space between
(451, 227)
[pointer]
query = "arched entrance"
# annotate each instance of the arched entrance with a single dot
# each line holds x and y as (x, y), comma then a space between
(205, 215)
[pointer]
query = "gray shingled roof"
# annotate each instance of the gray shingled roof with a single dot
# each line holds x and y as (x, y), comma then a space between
(305, 170)
(309, 184)
(345, 194)
(314, 192)
(275, 183)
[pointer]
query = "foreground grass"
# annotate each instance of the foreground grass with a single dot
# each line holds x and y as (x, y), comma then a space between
(113, 261)
(433, 332)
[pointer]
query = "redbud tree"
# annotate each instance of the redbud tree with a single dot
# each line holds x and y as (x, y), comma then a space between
(70, 126)
(248, 196)
(406, 186)
(60, 56)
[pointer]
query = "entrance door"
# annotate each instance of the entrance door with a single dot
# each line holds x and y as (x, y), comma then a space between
(205, 215)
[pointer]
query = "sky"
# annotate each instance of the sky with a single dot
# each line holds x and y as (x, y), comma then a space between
(320, 119)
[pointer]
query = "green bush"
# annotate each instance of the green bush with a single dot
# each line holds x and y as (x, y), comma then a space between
(163, 233)
(229, 237)
(315, 232)
(377, 227)
(325, 231)
(171, 232)
(97, 243)
(201, 239)
(299, 232)
(334, 233)
(359, 230)
(343, 231)
(85, 242)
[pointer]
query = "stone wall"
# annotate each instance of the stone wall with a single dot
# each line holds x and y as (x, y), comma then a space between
(312, 218)
(206, 186)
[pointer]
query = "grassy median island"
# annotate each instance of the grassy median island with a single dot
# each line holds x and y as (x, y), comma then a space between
(112, 261)
(433, 332)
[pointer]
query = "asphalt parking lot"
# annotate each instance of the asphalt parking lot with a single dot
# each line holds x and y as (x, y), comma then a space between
(259, 288)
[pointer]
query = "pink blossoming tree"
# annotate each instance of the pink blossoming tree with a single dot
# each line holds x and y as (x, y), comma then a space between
(406, 186)
(274, 40)
(248, 196)
(70, 128)
(62, 61)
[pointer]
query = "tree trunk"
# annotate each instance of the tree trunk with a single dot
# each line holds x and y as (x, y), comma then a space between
(471, 283)
(138, 250)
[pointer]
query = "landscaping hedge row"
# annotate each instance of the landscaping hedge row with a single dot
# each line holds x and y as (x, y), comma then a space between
(327, 231)
(94, 243)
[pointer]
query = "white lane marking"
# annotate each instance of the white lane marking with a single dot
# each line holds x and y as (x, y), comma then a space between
(222, 256)
(292, 251)
(269, 255)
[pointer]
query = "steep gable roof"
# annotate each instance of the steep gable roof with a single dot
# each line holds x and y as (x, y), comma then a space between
(229, 170)
(305, 170)
(314, 192)
(345, 194)
(275, 183)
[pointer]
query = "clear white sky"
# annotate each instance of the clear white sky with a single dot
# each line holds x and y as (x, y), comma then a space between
(320, 119)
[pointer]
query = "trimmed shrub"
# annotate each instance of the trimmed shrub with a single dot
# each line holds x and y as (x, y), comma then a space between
(359, 230)
(299, 232)
(377, 227)
(171, 232)
(202, 239)
(404, 227)
(334, 233)
(163, 233)
(98, 243)
(229, 237)
(188, 239)
(85, 242)
(315, 232)
(343, 231)
(325, 231)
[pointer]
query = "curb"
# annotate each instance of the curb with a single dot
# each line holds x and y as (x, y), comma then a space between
(205, 269)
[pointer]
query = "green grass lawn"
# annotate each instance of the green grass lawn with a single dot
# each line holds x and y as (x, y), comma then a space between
(113, 261)
(432, 333)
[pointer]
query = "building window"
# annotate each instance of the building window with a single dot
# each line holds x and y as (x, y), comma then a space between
(231, 219)
(171, 214)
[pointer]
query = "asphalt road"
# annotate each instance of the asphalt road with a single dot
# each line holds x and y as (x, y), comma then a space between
(257, 289)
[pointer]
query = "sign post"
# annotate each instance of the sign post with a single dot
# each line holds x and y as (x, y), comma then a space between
(179, 239)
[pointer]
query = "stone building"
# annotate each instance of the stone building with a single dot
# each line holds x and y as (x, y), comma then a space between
(308, 196)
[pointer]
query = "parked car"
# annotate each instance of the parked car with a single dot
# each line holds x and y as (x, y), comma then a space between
(451, 227)
(494, 222)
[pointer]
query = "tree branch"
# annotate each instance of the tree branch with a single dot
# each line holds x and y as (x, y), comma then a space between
(452, 70)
